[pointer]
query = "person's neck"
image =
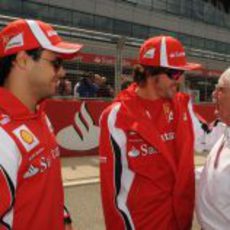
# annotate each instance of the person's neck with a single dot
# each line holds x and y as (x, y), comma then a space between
(24, 95)
(146, 93)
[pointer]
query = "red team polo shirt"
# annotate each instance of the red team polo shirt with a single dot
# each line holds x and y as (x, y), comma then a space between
(163, 121)
(31, 194)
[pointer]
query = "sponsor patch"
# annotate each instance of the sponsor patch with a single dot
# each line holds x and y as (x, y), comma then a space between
(168, 136)
(168, 112)
(26, 137)
(177, 54)
(51, 33)
(150, 53)
(32, 171)
(4, 119)
(142, 150)
(134, 152)
(138, 147)
(16, 41)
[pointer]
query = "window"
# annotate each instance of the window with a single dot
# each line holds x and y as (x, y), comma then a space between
(11, 6)
(186, 8)
(186, 40)
(156, 31)
(140, 31)
(34, 10)
(198, 9)
(147, 3)
(198, 42)
(209, 13)
(221, 47)
(83, 20)
(227, 20)
(62, 16)
(104, 24)
(228, 48)
(173, 6)
(210, 45)
(122, 27)
(161, 5)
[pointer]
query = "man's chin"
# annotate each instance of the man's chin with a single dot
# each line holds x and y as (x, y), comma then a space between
(217, 113)
(171, 94)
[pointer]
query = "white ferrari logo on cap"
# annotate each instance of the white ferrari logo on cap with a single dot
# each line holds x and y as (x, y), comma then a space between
(26, 137)
(150, 53)
(16, 41)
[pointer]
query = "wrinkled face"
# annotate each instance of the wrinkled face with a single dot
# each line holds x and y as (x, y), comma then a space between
(45, 74)
(221, 97)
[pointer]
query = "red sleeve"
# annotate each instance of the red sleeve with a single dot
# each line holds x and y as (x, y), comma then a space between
(108, 168)
(10, 158)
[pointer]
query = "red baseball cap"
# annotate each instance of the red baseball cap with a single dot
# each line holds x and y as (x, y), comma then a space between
(165, 51)
(26, 34)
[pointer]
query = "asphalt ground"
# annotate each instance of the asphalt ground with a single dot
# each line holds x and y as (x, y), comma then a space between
(82, 191)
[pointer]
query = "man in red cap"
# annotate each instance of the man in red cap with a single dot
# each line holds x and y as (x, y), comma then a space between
(31, 194)
(146, 145)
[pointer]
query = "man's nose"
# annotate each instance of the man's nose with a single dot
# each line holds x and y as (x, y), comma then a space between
(214, 95)
(61, 72)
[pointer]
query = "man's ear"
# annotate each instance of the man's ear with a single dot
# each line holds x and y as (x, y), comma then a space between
(22, 59)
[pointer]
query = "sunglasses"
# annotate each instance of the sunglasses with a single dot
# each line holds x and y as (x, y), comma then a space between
(57, 63)
(173, 74)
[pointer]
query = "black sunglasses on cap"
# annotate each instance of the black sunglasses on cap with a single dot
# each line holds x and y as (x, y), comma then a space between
(173, 74)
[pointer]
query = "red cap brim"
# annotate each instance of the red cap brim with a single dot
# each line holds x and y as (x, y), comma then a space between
(67, 50)
(192, 66)
(187, 67)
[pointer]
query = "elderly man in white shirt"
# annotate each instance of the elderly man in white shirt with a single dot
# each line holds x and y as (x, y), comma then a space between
(213, 192)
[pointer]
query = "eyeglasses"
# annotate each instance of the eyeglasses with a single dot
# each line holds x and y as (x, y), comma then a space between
(57, 63)
(173, 74)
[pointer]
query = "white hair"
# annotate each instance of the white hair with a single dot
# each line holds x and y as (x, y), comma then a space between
(225, 78)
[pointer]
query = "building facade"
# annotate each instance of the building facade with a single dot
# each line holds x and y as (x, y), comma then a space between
(203, 26)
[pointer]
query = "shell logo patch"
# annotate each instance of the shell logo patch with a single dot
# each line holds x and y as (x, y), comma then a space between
(26, 137)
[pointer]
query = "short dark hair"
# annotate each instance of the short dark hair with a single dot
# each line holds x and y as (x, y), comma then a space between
(6, 63)
(141, 73)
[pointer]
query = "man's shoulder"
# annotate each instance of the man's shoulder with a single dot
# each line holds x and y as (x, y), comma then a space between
(113, 106)
(113, 110)
(182, 98)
